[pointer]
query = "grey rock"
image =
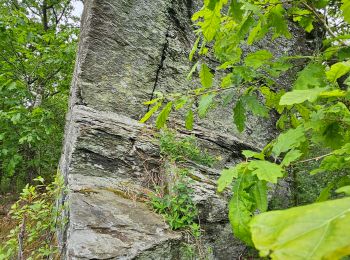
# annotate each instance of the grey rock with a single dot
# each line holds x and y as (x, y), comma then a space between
(129, 49)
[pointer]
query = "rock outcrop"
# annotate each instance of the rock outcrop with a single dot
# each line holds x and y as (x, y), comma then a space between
(128, 50)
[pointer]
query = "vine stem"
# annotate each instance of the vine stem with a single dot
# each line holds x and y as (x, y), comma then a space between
(315, 158)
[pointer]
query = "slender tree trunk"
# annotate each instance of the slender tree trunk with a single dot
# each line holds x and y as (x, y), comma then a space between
(44, 17)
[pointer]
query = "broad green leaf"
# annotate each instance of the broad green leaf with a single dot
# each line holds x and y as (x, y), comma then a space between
(189, 120)
(257, 59)
(227, 176)
(241, 206)
(204, 104)
(226, 81)
(277, 21)
(206, 76)
(345, 189)
(266, 171)
(300, 96)
(210, 23)
(259, 191)
(239, 116)
(252, 103)
(312, 232)
(337, 70)
(288, 140)
(346, 10)
(236, 11)
(313, 75)
(163, 115)
(151, 112)
(290, 157)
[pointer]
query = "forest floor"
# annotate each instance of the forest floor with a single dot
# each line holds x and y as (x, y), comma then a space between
(6, 223)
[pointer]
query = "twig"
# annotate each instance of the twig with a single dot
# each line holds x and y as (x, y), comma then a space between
(315, 158)
(21, 235)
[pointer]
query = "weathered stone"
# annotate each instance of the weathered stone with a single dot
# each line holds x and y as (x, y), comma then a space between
(128, 50)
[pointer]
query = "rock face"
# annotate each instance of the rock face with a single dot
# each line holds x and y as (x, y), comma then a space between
(129, 49)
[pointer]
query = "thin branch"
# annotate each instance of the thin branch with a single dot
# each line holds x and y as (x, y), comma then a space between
(329, 30)
(315, 158)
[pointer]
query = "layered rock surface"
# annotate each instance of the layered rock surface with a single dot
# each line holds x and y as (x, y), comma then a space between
(128, 50)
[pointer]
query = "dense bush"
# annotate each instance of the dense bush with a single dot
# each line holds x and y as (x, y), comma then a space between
(37, 50)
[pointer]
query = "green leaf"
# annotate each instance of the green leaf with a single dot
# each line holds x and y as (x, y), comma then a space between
(313, 75)
(257, 59)
(204, 104)
(316, 231)
(189, 120)
(227, 176)
(258, 32)
(259, 191)
(290, 157)
(211, 4)
(151, 112)
(179, 103)
(163, 116)
(210, 23)
(346, 10)
(151, 102)
(337, 70)
(277, 21)
(206, 76)
(253, 104)
(241, 206)
(239, 116)
(252, 154)
(345, 189)
(194, 49)
(266, 171)
(304, 18)
(300, 96)
(236, 11)
(288, 140)
(193, 70)
(325, 193)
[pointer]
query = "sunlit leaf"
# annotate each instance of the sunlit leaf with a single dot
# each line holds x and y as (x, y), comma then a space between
(163, 115)
(316, 231)
(266, 171)
(239, 116)
(204, 104)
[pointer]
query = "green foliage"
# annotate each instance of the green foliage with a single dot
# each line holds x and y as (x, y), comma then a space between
(316, 231)
(182, 149)
(36, 64)
(177, 205)
(314, 118)
(38, 216)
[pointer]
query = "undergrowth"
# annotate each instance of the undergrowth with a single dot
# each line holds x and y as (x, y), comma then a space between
(175, 199)
(37, 218)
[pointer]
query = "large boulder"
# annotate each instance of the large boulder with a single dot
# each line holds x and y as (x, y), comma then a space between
(128, 50)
